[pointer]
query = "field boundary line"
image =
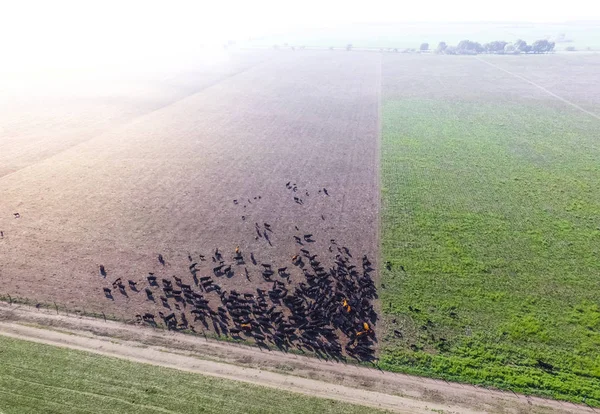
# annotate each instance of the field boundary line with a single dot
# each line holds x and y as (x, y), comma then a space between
(560, 98)
(160, 356)
(378, 192)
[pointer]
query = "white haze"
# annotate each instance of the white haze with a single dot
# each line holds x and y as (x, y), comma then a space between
(44, 34)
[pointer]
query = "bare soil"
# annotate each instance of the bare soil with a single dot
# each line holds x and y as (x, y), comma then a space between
(164, 182)
(46, 111)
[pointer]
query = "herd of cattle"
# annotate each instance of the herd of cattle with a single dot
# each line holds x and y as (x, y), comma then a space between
(330, 313)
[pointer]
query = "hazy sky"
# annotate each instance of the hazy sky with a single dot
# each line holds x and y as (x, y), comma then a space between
(256, 15)
(58, 29)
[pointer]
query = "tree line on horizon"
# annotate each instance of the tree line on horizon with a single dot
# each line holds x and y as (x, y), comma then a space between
(499, 47)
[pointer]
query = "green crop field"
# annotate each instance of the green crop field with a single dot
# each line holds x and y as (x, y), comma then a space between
(37, 378)
(492, 207)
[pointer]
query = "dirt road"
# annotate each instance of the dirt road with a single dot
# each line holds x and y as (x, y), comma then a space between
(350, 383)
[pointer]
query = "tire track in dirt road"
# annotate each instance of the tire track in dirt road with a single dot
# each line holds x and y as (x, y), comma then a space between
(305, 375)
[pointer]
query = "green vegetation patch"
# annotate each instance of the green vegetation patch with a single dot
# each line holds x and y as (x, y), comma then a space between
(493, 211)
(36, 378)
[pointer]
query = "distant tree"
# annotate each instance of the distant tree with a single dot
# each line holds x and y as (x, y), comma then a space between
(467, 47)
(424, 47)
(542, 46)
(570, 48)
(497, 46)
(521, 46)
(450, 50)
(349, 47)
(441, 47)
(539, 46)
